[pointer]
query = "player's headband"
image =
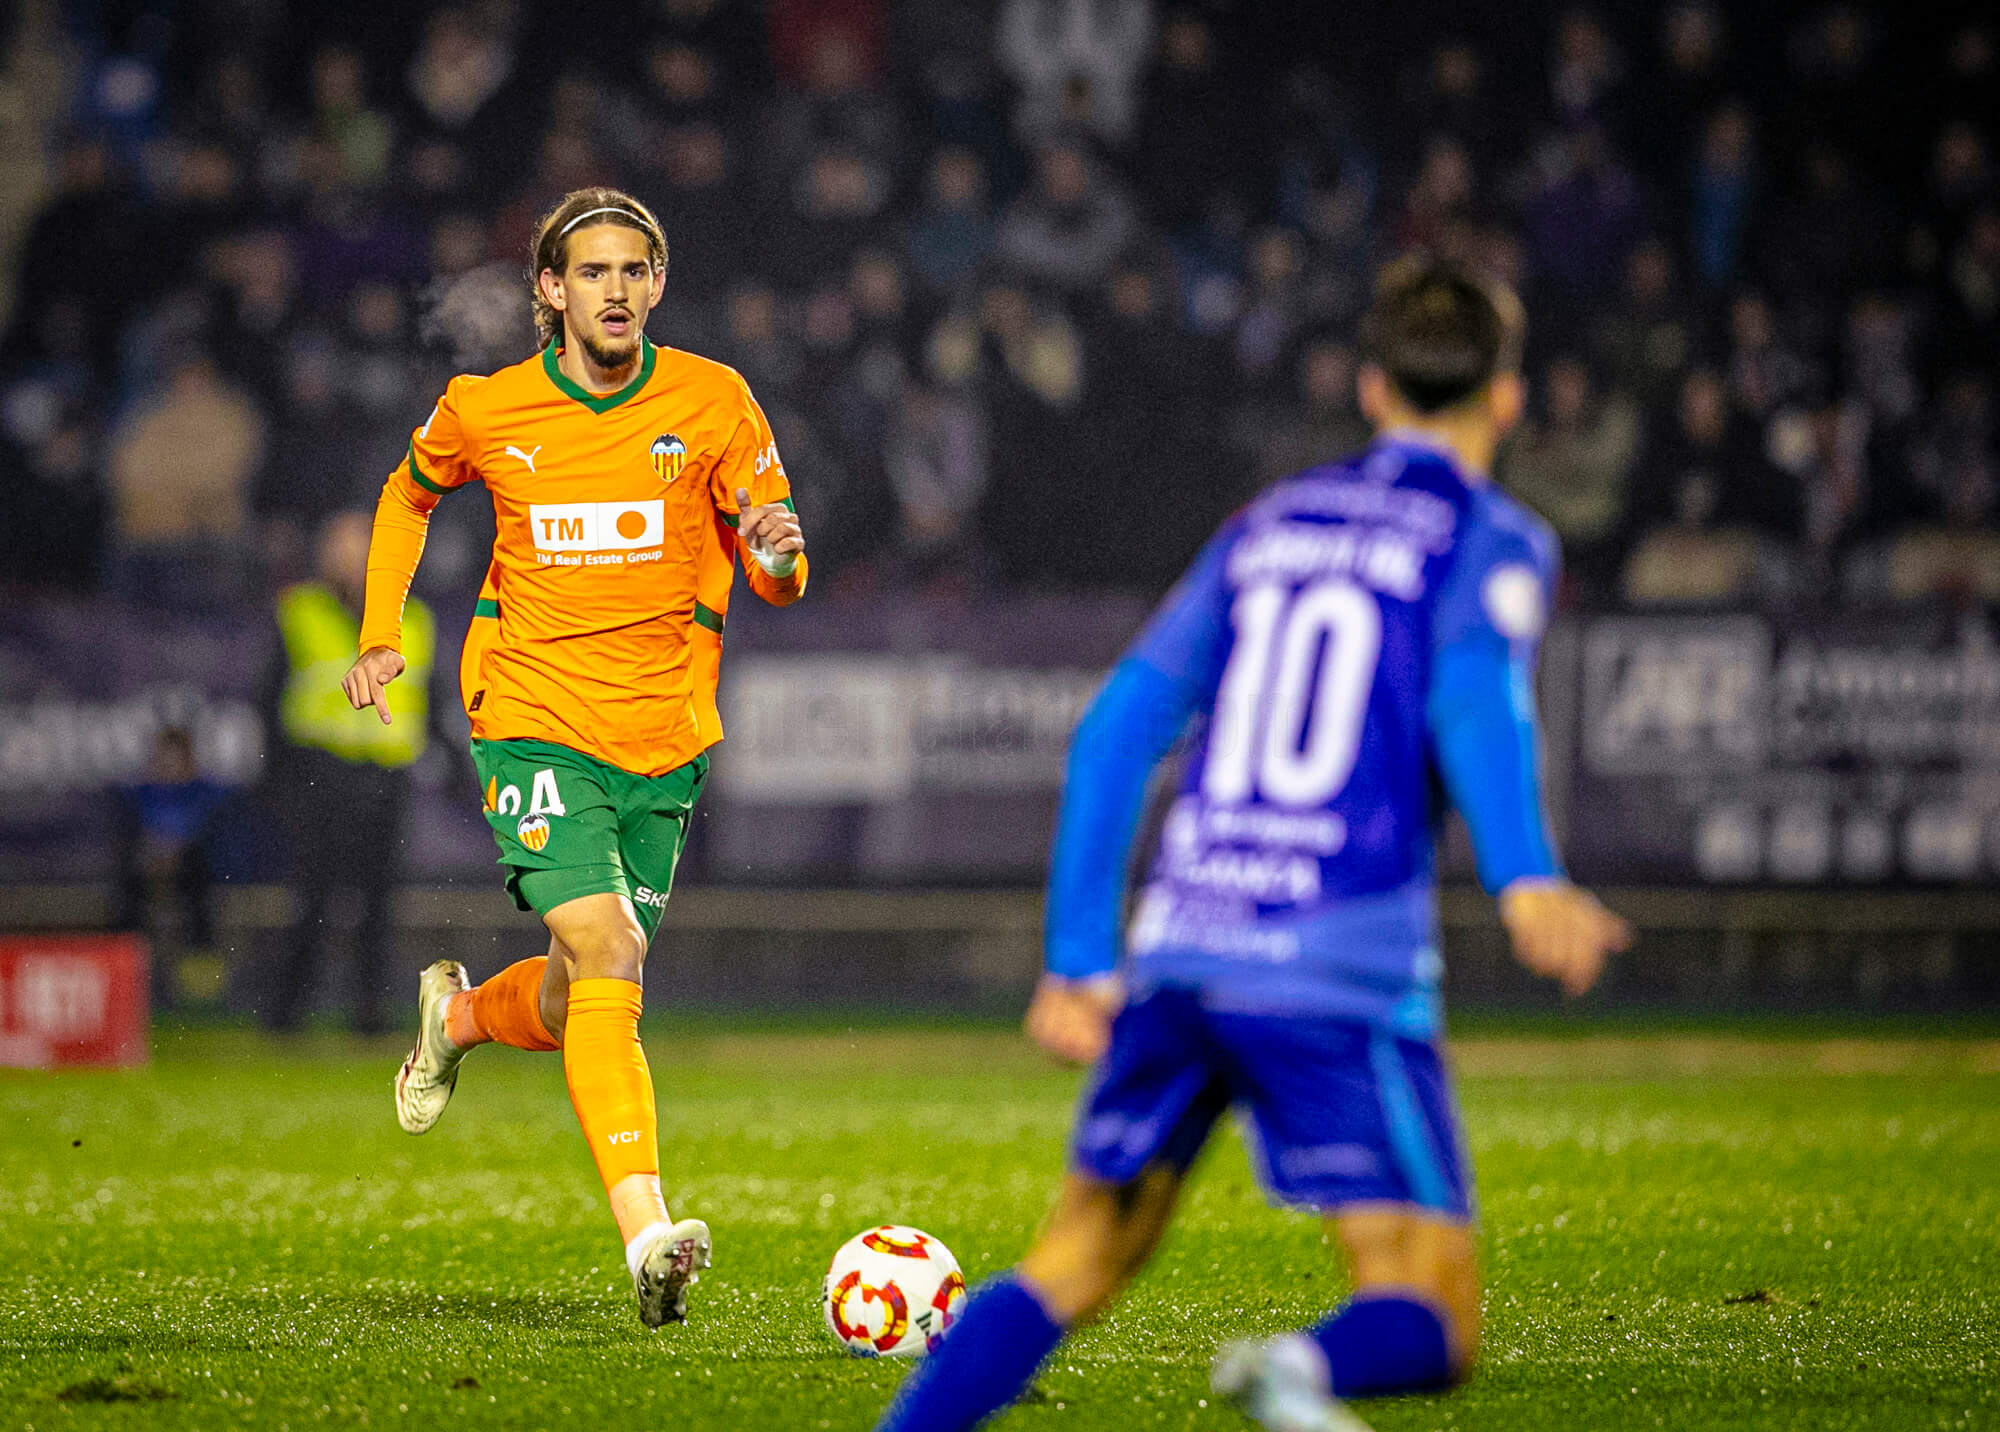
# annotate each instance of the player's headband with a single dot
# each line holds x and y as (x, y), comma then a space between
(618, 209)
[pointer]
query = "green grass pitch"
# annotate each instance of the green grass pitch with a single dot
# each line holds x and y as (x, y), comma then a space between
(1738, 1229)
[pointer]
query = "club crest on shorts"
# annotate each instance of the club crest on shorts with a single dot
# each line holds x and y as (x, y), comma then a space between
(534, 831)
(669, 456)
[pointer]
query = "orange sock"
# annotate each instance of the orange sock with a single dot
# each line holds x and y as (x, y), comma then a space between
(612, 1091)
(506, 1009)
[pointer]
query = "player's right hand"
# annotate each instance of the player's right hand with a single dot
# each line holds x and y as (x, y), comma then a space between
(1071, 1019)
(367, 681)
(1561, 932)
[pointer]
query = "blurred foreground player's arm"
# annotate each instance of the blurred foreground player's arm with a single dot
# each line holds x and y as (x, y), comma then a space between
(1485, 741)
(434, 464)
(1167, 675)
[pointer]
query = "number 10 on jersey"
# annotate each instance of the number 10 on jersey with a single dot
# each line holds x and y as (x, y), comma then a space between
(1289, 712)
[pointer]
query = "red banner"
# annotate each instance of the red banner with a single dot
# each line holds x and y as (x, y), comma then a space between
(72, 999)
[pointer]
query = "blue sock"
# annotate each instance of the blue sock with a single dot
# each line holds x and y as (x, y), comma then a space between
(986, 1361)
(1381, 1343)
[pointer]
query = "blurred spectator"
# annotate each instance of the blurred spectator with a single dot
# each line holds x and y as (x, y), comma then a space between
(1829, 235)
(1834, 94)
(1643, 341)
(1764, 374)
(805, 33)
(835, 206)
(181, 471)
(1155, 423)
(359, 136)
(1955, 467)
(165, 889)
(1076, 62)
(951, 232)
(1708, 469)
(460, 67)
(1961, 183)
(939, 465)
(340, 777)
(1586, 71)
(1969, 323)
(1692, 77)
(1724, 190)
(1069, 228)
(1275, 306)
(701, 205)
(1193, 130)
(1572, 463)
(832, 105)
(55, 534)
(1452, 100)
(1033, 380)
(92, 247)
(1825, 449)
(1880, 357)
(1321, 425)
(755, 345)
(1586, 218)
(730, 32)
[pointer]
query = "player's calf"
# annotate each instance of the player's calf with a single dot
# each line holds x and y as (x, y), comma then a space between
(1410, 1255)
(1097, 1239)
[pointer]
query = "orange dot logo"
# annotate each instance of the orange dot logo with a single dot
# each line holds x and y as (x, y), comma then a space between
(631, 525)
(534, 831)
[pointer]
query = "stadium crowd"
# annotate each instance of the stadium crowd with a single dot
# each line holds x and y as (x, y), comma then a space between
(1034, 291)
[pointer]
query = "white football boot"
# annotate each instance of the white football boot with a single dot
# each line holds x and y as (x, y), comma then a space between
(425, 1082)
(1282, 1384)
(666, 1260)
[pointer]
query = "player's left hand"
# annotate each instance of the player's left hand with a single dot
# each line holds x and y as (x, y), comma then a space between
(772, 529)
(1071, 1019)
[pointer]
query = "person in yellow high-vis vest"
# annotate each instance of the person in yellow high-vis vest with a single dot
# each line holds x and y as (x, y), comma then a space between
(340, 777)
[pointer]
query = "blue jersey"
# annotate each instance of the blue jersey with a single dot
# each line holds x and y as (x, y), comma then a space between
(1356, 629)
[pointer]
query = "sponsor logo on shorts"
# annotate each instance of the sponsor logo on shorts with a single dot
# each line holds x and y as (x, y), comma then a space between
(533, 831)
(1330, 1161)
(646, 895)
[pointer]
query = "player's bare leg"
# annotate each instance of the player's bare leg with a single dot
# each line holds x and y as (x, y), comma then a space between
(1393, 1252)
(1096, 1240)
(1395, 1248)
(597, 955)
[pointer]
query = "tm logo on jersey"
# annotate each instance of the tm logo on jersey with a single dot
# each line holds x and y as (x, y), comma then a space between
(597, 534)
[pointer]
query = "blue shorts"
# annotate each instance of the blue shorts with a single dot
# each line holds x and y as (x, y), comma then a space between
(1343, 1112)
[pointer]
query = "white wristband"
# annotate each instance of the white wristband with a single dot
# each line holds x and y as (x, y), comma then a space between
(776, 564)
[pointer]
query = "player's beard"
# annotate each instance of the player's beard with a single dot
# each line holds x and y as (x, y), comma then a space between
(608, 358)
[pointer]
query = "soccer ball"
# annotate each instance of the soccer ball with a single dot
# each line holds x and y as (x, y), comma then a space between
(892, 1292)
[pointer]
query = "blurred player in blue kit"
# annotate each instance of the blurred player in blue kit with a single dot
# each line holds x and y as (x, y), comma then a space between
(1358, 633)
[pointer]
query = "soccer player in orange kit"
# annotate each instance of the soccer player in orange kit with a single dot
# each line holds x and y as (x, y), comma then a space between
(627, 479)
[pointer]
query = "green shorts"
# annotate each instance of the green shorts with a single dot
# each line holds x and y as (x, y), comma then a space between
(571, 825)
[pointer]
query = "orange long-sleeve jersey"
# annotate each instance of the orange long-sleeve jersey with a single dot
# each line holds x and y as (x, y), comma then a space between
(599, 625)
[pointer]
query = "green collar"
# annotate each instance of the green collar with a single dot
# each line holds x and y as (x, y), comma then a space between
(600, 402)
